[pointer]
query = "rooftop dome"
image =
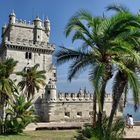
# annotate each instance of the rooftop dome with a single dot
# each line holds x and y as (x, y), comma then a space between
(13, 13)
(37, 18)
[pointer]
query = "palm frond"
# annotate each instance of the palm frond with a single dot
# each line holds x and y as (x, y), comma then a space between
(134, 85)
(117, 8)
(79, 64)
(76, 25)
(66, 55)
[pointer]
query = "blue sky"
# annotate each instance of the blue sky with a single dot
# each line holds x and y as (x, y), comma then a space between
(59, 13)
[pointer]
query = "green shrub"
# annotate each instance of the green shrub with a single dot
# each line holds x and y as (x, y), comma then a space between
(19, 114)
(116, 133)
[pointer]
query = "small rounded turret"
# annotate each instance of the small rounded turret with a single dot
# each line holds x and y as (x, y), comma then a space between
(37, 22)
(47, 26)
(4, 28)
(80, 94)
(12, 18)
(51, 90)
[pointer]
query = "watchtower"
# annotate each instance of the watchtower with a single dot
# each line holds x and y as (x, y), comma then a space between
(28, 43)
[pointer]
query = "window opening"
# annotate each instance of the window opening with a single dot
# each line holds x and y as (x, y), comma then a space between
(67, 114)
(79, 114)
(28, 55)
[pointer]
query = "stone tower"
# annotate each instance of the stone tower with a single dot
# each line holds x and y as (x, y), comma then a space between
(28, 43)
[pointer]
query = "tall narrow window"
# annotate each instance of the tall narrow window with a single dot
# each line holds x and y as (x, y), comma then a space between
(30, 55)
(26, 55)
(44, 62)
(54, 74)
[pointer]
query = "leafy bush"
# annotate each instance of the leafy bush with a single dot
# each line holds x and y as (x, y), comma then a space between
(89, 133)
(19, 114)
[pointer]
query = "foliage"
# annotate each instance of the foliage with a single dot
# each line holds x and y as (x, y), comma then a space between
(103, 42)
(19, 114)
(116, 133)
(7, 86)
(126, 74)
(32, 80)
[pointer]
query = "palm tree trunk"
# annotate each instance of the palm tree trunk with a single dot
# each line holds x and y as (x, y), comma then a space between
(94, 110)
(116, 98)
(108, 75)
(1, 118)
(100, 115)
(2, 112)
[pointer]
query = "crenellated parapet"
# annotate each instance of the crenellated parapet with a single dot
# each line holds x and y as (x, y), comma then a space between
(37, 22)
(81, 96)
(21, 32)
(74, 97)
(44, 25)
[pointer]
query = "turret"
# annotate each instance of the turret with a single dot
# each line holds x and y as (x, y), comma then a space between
(3, 29)
(37, 30)
(47, 26)
(37, 22)
(51, 91)
(80, 94)
(12, 18)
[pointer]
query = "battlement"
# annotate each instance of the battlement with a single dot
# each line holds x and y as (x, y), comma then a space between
(27, 24)
(75, 97)
(22, 32)
(24, 22)
(36, 22)
(81, 96)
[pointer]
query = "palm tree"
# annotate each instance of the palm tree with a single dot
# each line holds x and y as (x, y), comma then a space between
(32, 80)
(101, 44)
(125, 78)
(126, 75)
(19, 114)
(7, 86)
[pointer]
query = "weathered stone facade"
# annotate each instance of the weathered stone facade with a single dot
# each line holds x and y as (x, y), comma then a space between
(28, 43)
(71, 107)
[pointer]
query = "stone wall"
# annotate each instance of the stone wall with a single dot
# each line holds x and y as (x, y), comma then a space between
(70, 107)
(68, 111)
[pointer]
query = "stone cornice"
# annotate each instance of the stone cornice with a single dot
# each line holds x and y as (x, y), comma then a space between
(48, 50)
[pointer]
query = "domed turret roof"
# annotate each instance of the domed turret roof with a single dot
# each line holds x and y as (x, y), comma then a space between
(13, 13)
(47, 19)
(4, 26)
(37, 19)
(81, 91)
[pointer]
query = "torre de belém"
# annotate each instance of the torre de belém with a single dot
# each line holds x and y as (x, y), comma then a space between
(28, 43)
